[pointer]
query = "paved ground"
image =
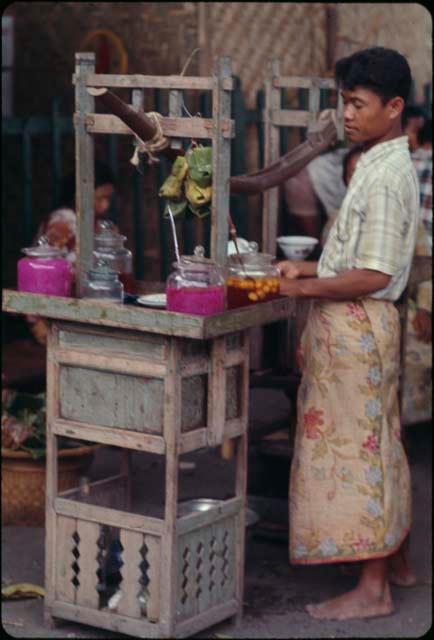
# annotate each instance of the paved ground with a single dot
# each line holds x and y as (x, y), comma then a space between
(275, 592)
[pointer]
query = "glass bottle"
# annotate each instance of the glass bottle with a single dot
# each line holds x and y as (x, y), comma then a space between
(251, 278)
(196, 285)
(109, 246)
(102, 284)
(45, 270)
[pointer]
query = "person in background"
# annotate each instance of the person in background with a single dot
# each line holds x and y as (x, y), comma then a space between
(413, 120)
(350, 491)
(348, 167)
(417, 382)
(60, 226)
(316, 192)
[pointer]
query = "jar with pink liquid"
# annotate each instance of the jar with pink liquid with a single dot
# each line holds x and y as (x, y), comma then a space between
(196, 286)
(45, 270)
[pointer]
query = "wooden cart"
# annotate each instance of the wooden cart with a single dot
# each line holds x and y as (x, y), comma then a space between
(149, 381)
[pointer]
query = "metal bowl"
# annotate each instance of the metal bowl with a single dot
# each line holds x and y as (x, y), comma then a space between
(205, 504)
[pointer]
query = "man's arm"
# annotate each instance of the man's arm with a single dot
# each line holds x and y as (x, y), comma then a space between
(348, 285)
(297, 268)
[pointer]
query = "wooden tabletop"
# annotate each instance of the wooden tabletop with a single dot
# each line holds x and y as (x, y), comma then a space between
(147, 319)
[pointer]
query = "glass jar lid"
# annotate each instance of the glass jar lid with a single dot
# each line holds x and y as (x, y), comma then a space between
(197, 261)
(43, 249)
(102, 272)
(108, 238)
(250, 258)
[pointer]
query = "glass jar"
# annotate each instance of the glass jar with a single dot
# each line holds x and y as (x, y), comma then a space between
(196, 286)
(251, 278)
(102, 284)
(109, 246)
(45, 270)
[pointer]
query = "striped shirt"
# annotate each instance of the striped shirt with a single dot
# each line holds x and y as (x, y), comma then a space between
(376, 226)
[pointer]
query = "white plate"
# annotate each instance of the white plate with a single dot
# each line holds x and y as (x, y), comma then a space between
(153, 300)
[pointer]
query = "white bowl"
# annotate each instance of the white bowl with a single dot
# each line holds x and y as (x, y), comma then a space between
(297, 247)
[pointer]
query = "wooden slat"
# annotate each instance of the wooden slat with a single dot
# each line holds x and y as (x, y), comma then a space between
(84, 167)
(221, 161)
(172, 436)
(301, 82)
(216, 393)
(110, 517)
(154, 585)
(131, 542)
(198, 128)
(206, 619)
(106, 620)
(51, 486)
(65, 589)
(271, 154)
(203, 518)
(109, 435)
(110, 363)
(87, 595)
(192, 440)
(138, 81)
(175, 110)
(288, 117)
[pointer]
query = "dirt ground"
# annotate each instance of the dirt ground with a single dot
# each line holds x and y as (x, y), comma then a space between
(275, 591)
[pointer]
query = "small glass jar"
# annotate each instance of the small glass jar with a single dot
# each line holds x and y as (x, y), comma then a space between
(45, 270)
(196, 286)
(109, 246)
(102, 284)
(251, 278)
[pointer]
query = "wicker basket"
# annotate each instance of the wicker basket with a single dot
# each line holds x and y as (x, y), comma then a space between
(23, 482)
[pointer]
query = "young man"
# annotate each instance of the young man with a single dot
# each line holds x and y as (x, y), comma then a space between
(350, 483)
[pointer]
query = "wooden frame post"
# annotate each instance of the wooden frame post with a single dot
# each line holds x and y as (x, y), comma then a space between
(84, 167)
(271, 154)
(221, 161)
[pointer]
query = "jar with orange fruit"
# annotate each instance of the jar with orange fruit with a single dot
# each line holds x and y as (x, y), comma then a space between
(251, 278)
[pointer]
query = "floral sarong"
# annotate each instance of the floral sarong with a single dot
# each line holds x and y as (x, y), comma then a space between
(349, 494)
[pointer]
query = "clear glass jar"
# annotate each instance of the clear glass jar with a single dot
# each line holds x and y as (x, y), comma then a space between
(45, 270)
(102, 284)
(196, 286)
(251, 278)
(109, 246)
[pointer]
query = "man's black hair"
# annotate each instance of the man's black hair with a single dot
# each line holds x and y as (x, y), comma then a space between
(384, 71)
(103, 175)
(425, 133)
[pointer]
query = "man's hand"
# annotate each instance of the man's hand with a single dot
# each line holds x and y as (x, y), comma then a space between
(288, 269)
(422, 325)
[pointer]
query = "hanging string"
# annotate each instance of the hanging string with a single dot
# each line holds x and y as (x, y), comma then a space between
(150, 147)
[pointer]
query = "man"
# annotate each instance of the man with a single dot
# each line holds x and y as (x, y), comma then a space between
(350, 483)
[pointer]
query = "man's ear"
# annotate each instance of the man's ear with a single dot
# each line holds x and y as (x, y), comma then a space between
(396, 106)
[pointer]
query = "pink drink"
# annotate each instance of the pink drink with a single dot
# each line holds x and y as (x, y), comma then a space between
(52, 276)
(200, 301)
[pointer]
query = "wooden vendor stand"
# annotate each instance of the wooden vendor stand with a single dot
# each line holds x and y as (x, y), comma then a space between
(150, 381)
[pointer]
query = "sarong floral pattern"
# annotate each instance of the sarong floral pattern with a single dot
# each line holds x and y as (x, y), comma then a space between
(350, 481)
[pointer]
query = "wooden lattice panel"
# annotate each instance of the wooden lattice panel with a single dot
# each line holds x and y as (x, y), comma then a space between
(206, 577)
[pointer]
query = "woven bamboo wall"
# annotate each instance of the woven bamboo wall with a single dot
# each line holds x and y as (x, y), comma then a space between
(406, 27)
(252, 32)
(295, 33)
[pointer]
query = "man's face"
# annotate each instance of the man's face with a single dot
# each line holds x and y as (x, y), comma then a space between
(366, 118)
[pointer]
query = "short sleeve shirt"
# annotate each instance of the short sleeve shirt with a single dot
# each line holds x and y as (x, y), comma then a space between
(376, 227)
